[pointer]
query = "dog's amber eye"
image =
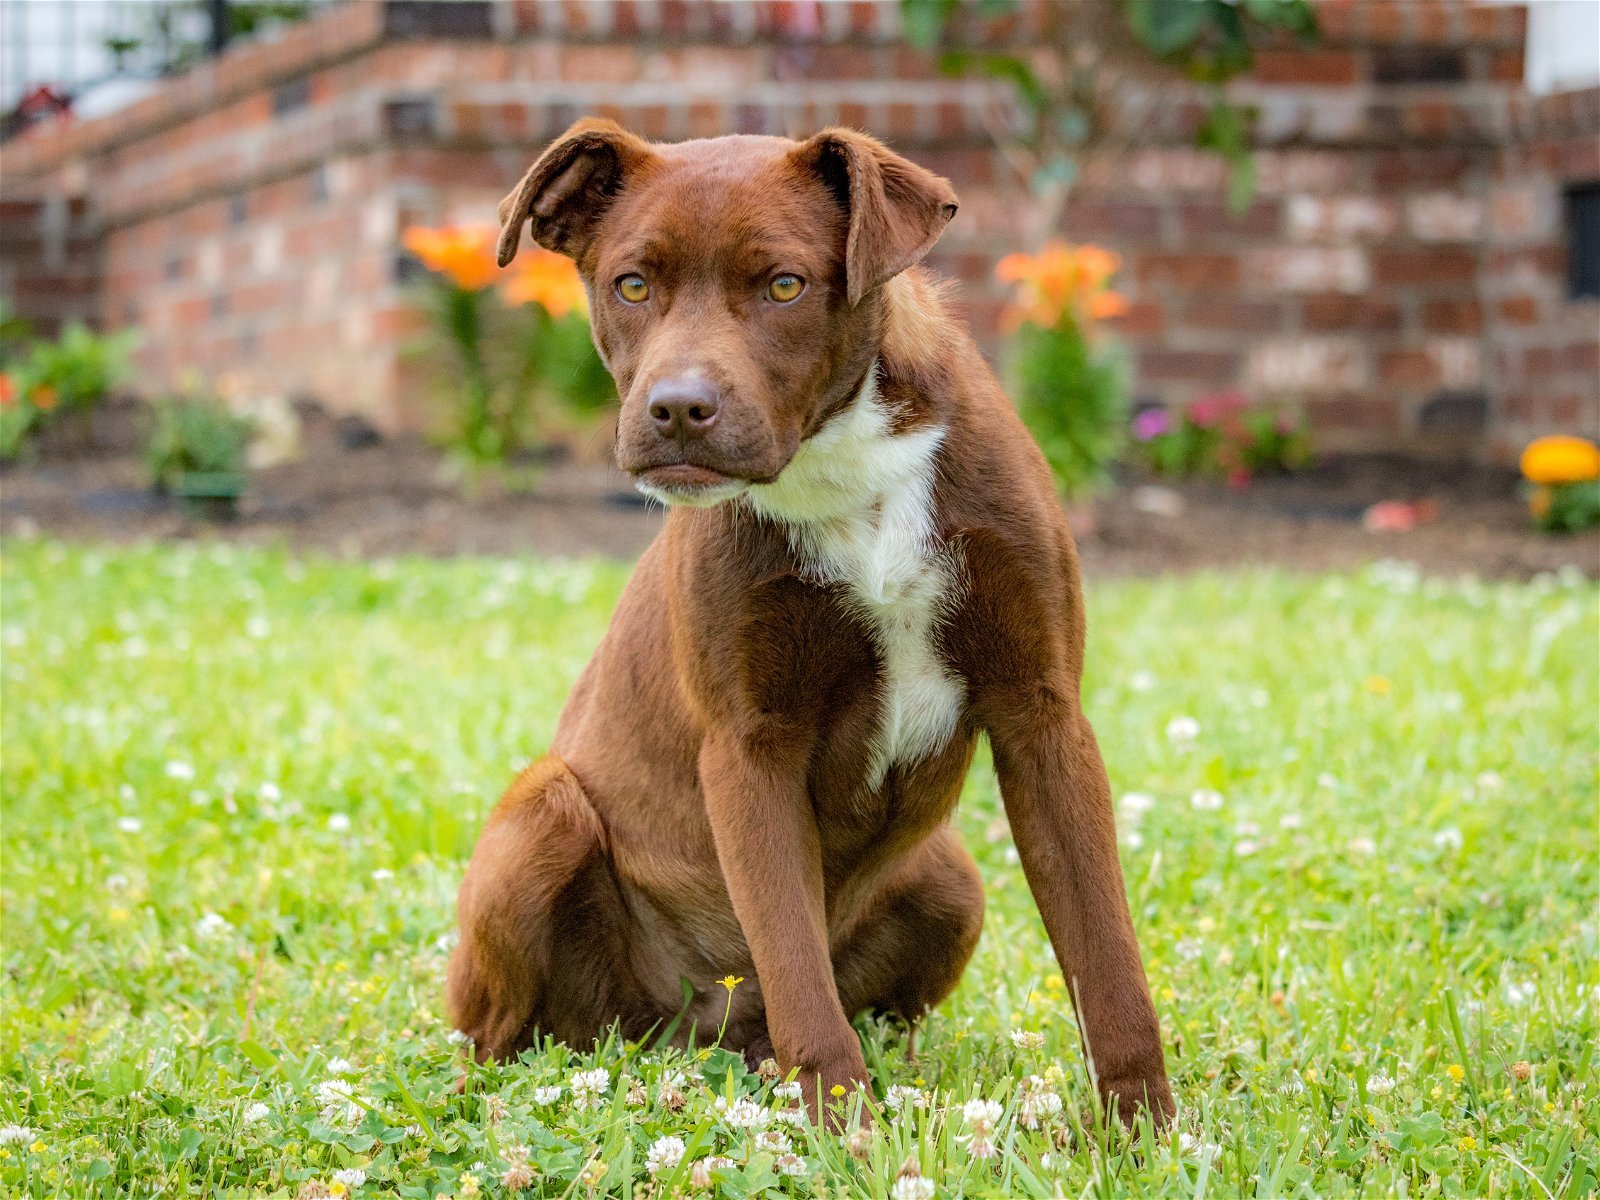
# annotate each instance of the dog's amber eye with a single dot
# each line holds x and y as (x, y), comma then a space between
(633, 289)
(786, 288)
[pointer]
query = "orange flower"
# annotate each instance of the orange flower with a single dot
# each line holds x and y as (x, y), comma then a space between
(1556, 460)
(44, 396)
(462, 253)
(8, 391)
(1061, 282)
(548, 279)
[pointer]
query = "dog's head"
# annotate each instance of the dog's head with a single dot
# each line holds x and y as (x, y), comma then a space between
(733, 285)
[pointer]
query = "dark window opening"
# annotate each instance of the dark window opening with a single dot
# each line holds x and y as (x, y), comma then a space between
(1583, 241)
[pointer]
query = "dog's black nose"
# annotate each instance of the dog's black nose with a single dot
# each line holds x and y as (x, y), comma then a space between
(684, 408)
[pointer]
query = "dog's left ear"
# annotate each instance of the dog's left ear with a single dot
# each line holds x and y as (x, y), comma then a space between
(897, 209)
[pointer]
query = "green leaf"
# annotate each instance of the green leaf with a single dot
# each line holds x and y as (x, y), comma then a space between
(259, 1055)
(1167, 26)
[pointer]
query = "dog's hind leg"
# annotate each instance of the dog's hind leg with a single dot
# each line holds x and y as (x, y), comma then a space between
(907, 951)
(538, 879)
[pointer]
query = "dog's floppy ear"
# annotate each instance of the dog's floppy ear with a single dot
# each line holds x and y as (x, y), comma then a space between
(897, 209)
(569, 186)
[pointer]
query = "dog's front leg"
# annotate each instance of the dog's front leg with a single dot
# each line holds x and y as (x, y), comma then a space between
(771, 857)
(1058, 801)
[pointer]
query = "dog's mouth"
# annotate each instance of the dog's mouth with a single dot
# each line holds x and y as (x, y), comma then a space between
(688, 484)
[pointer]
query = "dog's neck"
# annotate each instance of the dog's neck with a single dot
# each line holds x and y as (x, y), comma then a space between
(857, 503)
(855, 468)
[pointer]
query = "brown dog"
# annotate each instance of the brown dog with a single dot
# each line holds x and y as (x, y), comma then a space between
(865, 566)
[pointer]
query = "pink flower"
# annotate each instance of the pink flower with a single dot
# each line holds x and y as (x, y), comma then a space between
(1151, 423)
(1212, 410)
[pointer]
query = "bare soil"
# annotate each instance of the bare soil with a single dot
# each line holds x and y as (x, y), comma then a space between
(354, 495)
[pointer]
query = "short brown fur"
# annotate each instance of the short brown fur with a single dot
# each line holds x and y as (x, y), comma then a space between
(708, 807)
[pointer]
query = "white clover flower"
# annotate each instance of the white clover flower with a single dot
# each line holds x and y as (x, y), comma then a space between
(980, 1115)
(745, 1113)
(15, 1135)
(790, 1164)
(1206, 800)
(700, 1173)
(548, 1094)
(912, 1187)
(1363, 846)
(587, 1086)
(256, 1112)
(1133, 839)
(269, 791)
(1194, 1147)
(1449, 839)
(1027, 1039)
(1379, 1084)
(339, 823)
(129, 824)
(1520, 993)
(351, 1177)
(775, 1140)
(179, 770)
(664, 1155)
(1136, 804)
(212, 927)
(518, 1174)
(1189, 949)
(1291, 821)
(341, 1104)
(1181, 730)
(795, 1116)
(787, 1091)
(455, 1037)
(382, 875)
(341, 1066)
(1245, 847)
(900, 1096)
(1142, 681)
(1328, 781)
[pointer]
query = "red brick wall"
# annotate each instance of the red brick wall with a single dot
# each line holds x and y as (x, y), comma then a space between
(1398, 275)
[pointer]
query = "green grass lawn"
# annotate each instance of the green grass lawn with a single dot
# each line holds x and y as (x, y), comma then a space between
(1359, 825)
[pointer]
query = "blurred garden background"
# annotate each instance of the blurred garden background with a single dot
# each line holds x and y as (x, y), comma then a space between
(1274, 281)
(309, 522)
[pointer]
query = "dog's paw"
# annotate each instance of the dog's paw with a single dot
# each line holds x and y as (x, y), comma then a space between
(1131, 1096)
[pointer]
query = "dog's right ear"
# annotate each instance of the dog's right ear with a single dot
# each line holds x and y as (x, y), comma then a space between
(568, 188)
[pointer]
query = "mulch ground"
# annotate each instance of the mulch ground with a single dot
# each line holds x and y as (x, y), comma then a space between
(355, 496)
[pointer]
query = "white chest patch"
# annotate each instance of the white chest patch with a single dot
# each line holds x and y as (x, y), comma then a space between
(857, 502)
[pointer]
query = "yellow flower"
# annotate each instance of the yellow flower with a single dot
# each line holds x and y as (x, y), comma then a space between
(467, 1185)
(38, 1147)
(462, 253)
(1456, 1073)
(836, 1090)
(731, 981)
(1555, 460)
(547, 279)
(1377, 685)
(1468, 1143)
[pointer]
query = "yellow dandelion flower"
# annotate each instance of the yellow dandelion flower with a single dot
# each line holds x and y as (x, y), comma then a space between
(731, 981)
(1456, 1073)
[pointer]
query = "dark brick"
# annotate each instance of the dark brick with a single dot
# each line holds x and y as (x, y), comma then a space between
(1455, 412)
(437, 18)
(292, 96)
(1418, 64)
